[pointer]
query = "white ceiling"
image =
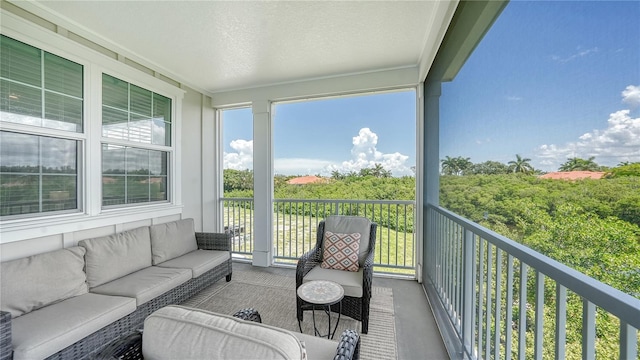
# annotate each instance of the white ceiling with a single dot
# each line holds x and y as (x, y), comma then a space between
(223, 45)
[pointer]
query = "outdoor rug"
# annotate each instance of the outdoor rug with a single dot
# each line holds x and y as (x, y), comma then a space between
(274, 298)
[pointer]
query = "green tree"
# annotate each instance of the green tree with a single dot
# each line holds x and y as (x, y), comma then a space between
(624, 169)
(237, 179)
(489, 168)
(456, 166)
(578, 164)
(520, 165)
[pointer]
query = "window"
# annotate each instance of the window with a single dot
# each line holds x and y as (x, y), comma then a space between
(136, 131)
(39, 173)
(133, 175)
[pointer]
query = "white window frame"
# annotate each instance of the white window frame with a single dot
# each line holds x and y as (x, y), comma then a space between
(169, 149)
(90, 165)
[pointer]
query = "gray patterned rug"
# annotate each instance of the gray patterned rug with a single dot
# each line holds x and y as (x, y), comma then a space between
(274, 297)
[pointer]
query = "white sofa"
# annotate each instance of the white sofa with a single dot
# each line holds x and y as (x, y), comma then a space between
(71, 302)
(177, 332)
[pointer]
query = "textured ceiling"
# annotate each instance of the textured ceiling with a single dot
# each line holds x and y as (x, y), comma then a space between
(217, 46)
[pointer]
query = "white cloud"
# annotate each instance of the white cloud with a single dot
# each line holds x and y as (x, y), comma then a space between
(514, 98)
(242, 158)
(301, 166)
(580, 53)
(620, 141)
(631, 95)
(364, 154)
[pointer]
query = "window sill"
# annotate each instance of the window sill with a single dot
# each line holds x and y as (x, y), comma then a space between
(28, 228)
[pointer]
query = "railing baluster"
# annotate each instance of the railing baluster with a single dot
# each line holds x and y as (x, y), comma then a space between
(469, 293)
(290, 228)
(397, 213)
(487, 351)
(522, 320)
(448, 268)
(508, 323)
(539, 321)
(388, 236)
(561, 322)
(628, 341)
(480, 297)
(588, 330)
(405, 238)
(458, 288)
(498, 311)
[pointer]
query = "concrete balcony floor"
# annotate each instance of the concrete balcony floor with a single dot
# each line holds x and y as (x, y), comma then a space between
(417, 335)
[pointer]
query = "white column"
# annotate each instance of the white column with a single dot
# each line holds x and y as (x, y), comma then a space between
(432, 143)
(262, 183)
(431, 166)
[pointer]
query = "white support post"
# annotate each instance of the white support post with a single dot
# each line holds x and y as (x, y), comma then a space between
(262, 183)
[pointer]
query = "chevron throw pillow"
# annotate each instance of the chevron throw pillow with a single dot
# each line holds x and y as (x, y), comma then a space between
(340, 251)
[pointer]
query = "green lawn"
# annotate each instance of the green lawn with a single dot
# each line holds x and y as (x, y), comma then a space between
(296, 234)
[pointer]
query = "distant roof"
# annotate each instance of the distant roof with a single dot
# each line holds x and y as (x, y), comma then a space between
(306, 180)
(573, 175)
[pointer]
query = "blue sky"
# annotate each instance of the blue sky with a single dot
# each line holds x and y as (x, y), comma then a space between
(320, 136)
(550, 80)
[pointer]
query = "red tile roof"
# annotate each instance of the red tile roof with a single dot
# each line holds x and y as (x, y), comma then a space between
(573, 175)
(306, 180)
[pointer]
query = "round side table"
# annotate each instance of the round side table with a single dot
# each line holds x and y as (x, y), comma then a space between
(322, 294)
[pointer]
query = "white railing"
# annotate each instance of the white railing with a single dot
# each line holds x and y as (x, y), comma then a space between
(505, 300)
(295, 223)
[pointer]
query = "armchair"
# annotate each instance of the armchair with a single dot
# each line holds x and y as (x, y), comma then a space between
(356, 284)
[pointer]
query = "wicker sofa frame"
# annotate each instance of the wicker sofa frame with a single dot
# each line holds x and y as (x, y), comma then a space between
(93, 343)
(354, 307)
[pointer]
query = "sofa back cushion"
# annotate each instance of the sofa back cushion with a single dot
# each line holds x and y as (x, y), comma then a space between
(342, 224)
(172, 239)
(114, 256)
(36, 281)
(176, 332)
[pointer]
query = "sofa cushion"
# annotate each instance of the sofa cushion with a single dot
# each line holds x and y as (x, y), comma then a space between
(351, 281)
(145, 284)
(175, 332)
(46, 331)
(112, 257)
(36, 281)
(172, 239)
(348, 225)
(199, 261)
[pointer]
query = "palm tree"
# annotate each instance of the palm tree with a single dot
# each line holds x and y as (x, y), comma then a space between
(448, 165)
(377, 170)
(455, 166)
(578, 164)
(521, 165)
(337, 175)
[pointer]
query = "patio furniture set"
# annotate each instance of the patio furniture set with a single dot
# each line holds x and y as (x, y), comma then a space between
(91, 300)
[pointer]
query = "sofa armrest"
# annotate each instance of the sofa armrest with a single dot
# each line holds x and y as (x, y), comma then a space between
(249, 314)
(349, 346)
(6, 349)
(213, 241)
